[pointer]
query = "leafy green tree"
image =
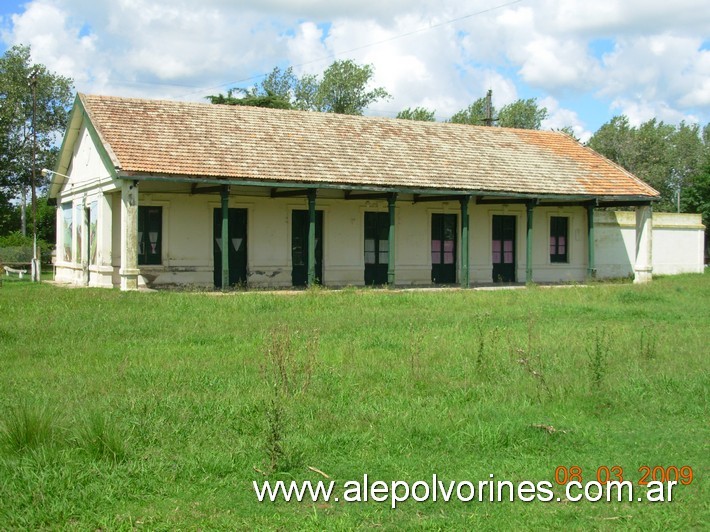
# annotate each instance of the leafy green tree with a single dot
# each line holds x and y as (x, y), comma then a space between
(569, 131)
(275, 91)
(522, 114)
(53, 96)
(615, 141)
(474, 115)
(252, 100)
(697, 199)
(665, 156)
(344, 89)
(688, 154)
(9, 215)
(418, 113)
(305, 93)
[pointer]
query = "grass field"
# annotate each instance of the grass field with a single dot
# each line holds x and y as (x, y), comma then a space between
(158, 410)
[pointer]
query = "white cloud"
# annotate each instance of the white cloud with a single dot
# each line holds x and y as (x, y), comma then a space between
(654, 62)
(55, 39)
(559, 117)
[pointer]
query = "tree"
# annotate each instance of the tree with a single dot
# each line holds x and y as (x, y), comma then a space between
(252, 100)
(475, 114)
(569, 131)
(522, 114)
(418, 113)
(667, 157)
(54, 94)
(697, 199)
(615, 141)
(344, 89)
(687, 153)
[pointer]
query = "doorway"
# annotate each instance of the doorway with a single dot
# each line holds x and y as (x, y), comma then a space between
(299, 247)
(237, 247)
(503, 249)
(443, 248)
(377, 227)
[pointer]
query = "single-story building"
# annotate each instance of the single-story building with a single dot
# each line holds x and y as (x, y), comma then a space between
(165, 192)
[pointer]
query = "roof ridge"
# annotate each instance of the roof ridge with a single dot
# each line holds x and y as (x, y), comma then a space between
(269, 110)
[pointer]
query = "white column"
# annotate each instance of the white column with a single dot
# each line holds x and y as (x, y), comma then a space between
(129, 236)
(104, 243)
(84, 251)
(643, 269)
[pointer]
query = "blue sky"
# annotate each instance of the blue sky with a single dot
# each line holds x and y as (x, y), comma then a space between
(585, 61)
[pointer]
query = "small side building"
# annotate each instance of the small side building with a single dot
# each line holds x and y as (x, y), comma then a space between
(162, 192)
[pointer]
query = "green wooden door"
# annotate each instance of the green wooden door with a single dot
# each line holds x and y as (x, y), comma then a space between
(503, 249)
(443, 248)
(237, 247)
(299, 247)
(377, 227)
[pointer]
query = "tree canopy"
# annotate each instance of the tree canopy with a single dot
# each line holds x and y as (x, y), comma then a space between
(669, 158)
(343, 88)
(523, 114)
(54, 95)
(474, 115)
(418, 113)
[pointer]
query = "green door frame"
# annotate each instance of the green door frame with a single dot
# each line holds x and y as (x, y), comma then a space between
(591, 265)
(529, 244)
(311, 237)
(391, 247)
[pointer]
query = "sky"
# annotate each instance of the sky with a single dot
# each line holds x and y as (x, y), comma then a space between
(585, 61)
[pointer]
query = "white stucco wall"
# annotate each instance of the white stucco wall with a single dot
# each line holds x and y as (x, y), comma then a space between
(678, 243)
(188, 233)
(187, 240)
(88, 186)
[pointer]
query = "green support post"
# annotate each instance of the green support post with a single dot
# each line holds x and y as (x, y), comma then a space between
(224, 194)
(390, 241)
(529, 245)
(465, 274)
(591, 264)
(311, 237)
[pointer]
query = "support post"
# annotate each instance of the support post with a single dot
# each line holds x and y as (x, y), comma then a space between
(391, 199)
(591, 263)
(85, 250)
(105, 240)
(311, 237)
(465, 271)
(129, 235)
(224, 195)
(643, 268)
(529, 245)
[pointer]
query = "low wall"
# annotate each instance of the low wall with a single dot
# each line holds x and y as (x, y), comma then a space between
(678, 243)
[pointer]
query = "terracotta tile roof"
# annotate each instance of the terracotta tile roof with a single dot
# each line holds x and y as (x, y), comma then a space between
(231, 142)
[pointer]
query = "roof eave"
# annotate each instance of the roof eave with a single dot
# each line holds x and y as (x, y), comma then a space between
(601, 200)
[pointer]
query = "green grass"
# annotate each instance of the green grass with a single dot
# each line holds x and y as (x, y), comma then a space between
(121, 410)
